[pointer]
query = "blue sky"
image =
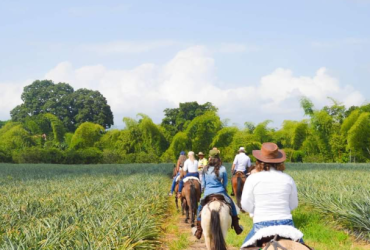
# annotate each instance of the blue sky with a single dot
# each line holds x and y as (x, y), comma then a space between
(253, 59)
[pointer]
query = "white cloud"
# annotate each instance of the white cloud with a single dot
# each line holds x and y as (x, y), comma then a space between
(191, 76)
(10, 96)
(127, 47)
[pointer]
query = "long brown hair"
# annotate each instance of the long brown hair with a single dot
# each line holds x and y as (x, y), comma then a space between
(266, 166)
(214, 162)
(182, 159)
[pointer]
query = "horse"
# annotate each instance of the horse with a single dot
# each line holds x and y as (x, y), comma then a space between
(216, 221)
(237, 182)
(190, 197)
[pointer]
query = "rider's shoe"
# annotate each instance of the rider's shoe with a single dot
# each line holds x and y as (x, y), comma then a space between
(170, 194)
(235, 224)
(199, 231)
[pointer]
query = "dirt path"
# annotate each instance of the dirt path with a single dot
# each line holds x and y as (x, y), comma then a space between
(178, 234)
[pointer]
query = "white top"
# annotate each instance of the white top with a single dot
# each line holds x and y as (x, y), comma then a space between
(269, 195)
(242, 161)
(190, 166)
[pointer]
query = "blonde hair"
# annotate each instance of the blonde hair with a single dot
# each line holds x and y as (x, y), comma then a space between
(191, 156)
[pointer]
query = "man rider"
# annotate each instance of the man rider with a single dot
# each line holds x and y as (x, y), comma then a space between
(240, 164)
(202, 162)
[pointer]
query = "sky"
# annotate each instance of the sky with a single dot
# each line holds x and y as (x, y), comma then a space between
(254, 60)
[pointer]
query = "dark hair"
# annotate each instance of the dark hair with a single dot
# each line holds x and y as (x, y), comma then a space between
(266, 166)
(216, 163)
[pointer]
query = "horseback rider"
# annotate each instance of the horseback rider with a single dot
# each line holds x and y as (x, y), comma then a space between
(179, 165)
(202, 162)
(241, 163)
(215, 182)
(191, 167)
(269, 195)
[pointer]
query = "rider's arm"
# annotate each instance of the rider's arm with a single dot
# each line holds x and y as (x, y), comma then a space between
(293, 199)
(178, 166)
(224, 179)
(248, 196)
(235, 162)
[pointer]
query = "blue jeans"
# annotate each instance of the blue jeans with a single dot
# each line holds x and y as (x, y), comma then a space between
(233, 208)
(174, 183)
(181, 184)
(259, 225)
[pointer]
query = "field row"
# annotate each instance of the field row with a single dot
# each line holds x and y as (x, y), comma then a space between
(82, 207)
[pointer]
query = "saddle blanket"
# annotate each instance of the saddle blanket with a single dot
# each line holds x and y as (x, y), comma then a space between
(283, 231)
(191, 178)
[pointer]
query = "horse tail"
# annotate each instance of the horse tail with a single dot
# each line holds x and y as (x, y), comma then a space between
(218, 241)
(193, 197)
(239, 190)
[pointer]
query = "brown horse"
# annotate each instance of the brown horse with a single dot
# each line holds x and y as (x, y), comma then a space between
(237, 182)
(190, 196)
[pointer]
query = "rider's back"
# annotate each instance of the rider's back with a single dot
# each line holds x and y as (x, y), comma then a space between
(269, 195)
(212, 183)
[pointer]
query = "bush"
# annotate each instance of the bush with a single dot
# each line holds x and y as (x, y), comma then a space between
(143, 157)
(111, 156)
(84, 156)
(38, 155)
(5, 155)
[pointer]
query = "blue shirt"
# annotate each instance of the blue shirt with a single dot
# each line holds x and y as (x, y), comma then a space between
(213, 184)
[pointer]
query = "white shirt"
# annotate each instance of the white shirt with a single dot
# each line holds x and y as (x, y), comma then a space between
(242, 161)
(269, 195)
(190, 166)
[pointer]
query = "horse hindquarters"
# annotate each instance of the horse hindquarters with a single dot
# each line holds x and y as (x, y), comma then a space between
(239, 190)
(216, 221)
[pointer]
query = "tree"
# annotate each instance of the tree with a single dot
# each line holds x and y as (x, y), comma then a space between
(177, 119)
(358, 136)
(71, 107)
(2, 123)
(90, 106)
(86, 135)
(307, 106)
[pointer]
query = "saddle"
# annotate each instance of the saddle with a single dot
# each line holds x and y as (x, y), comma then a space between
(191, 178)
(276, 238)
(215, 197)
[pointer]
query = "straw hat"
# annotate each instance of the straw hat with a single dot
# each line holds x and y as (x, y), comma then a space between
(242, 149)
(200, 153)
(270, 153)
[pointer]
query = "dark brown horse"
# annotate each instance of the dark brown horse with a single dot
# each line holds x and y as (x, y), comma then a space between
(190, 196)
(237, 182)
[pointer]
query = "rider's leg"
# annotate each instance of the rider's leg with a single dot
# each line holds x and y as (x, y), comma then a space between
(235, 220)
(181, 185)
(199, 231)
(174, 183)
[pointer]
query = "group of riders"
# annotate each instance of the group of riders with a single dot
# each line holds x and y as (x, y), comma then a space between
(269, 195)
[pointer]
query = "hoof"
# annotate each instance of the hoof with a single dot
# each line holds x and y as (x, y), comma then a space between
(192, 225)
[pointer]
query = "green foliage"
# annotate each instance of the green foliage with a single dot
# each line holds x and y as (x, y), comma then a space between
(72, 108)
(177, 119)
(15, 136)
(359, 136)
(2, 123)
(39, 155)
(86, 135)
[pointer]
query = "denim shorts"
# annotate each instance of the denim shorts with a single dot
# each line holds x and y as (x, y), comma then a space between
(259, 225)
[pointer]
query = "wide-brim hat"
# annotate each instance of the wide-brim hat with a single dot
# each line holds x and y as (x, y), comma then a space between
(200, 153)
(241, 149)
(270, 153)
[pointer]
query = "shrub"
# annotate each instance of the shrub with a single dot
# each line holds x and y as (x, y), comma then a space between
(111, 156)
(38, 155)
(143, 157)
(84, 156)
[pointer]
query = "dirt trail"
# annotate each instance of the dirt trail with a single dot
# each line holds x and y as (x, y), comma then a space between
(184, 230)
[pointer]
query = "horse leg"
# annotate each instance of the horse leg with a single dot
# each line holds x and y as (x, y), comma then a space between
(208, 242)
(183, 206)
(187, 211)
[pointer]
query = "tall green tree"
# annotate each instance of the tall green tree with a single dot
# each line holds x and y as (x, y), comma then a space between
(177, 119)
(71, 107)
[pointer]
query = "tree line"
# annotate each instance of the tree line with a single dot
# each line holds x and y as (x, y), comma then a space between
(56, 124)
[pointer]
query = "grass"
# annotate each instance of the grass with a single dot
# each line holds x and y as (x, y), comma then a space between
(324, 184)
(82, 207)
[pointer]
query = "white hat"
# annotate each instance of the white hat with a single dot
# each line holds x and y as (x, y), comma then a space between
(241, 149)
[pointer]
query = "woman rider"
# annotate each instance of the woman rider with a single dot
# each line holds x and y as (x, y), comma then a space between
(215, 182)
(191, 167)
(269, 195)
(179, 165)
